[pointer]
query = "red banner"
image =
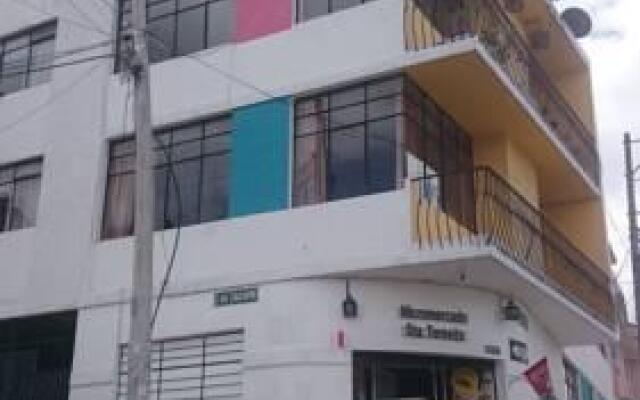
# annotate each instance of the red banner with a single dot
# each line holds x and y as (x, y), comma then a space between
(540, 379)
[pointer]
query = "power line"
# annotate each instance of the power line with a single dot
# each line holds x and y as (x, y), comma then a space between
(55, 66)
(52, 99)
(26, 4)
(86, 16)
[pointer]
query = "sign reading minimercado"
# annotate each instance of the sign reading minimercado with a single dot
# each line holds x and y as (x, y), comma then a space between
(430, 331)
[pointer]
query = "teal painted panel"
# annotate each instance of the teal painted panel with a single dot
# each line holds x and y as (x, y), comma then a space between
(260, 157)
(586, 390)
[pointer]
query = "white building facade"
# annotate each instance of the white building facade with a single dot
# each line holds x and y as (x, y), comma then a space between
(245, 96)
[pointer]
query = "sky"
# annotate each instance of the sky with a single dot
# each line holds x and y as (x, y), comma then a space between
(614, 52)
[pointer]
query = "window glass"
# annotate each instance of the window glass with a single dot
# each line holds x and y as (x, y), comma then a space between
(25, 58)
(191, 31)
(25, 204)
(14, 70)
(337, 5)
(347, 163)
(381, 160)
(346, 144)
(220, 22)
(215, 188)
(42, 55)
(19, 195)
(313, 8)
(199, 164)
(161, 34)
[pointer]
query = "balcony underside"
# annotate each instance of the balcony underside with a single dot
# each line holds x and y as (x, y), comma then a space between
(486, 268)
(481, 98)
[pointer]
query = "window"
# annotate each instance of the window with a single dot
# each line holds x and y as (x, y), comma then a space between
(19, 195)
(181, 27)
(309, 9)
(398, 376)
(25, 58)
(196, 367)
(198, 153)
(363, 139)
(36, 354)
(347, 142)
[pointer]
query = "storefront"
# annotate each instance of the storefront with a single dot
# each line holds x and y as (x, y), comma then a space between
(395, 376)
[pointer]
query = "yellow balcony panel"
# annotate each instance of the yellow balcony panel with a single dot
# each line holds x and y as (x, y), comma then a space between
(477, 63)
(475, 92)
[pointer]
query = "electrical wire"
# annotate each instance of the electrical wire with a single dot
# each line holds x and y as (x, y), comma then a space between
(176, 188)
(26, 4)
(52, 99)
(55, 66)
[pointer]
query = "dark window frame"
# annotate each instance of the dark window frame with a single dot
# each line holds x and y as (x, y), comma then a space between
(446, 150)
(124, 8)
(300, 17)
(32, 38)
(328, 133)
(167, 150)
(9, 178)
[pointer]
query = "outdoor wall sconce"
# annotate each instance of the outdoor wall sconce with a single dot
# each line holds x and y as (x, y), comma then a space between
(349, 305)
(512, 312)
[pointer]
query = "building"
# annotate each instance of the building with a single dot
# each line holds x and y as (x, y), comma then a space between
(383, 199)
(625, 360)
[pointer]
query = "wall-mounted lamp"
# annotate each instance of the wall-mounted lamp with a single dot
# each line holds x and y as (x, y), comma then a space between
(512, 312)
(349, 305)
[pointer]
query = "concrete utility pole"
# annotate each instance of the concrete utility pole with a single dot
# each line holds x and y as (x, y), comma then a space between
(633, 221)
(139, 364)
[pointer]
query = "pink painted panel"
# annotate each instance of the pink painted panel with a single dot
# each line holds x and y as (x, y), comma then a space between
(257, 18)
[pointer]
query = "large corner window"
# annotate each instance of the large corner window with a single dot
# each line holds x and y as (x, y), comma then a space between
(36, 355)
(196, 154)
(25, 58)
(309, 9)
(347, 142)
(388, 376)
(366, 138)
(181, 27)
(19, 194)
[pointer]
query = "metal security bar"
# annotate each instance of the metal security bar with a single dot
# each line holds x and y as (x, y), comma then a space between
(193, 368)
(430, 23)
(503, 218)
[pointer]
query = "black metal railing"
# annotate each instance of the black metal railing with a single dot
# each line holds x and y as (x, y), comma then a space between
(430, 23)
(489, 212)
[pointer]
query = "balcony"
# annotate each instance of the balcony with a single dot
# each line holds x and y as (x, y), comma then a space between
(430, 24)
(480, 208)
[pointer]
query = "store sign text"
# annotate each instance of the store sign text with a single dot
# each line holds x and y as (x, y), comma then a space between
(430, 330)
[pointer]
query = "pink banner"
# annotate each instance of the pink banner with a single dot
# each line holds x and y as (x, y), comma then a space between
(257, 18)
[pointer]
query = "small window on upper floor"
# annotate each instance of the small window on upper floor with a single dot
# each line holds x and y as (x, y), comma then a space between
(26, 58)
(181, 27)
(19, 194)
(309, 9)
(197, 155)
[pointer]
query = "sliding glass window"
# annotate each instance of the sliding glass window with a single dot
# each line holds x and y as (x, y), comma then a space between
(19, 194)
(309, 9)
(181, 27)
(348, 142)
(366, 138)
(197, 154)
(26, 58)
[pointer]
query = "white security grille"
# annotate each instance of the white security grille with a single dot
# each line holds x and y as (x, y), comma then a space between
(200, 367)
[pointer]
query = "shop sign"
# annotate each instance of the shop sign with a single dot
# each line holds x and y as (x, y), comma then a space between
(430, 330)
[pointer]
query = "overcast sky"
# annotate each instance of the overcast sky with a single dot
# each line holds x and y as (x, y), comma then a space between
(614, 50)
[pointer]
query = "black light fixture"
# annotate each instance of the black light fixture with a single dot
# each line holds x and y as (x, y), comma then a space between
(512, 312)
(349, 305)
